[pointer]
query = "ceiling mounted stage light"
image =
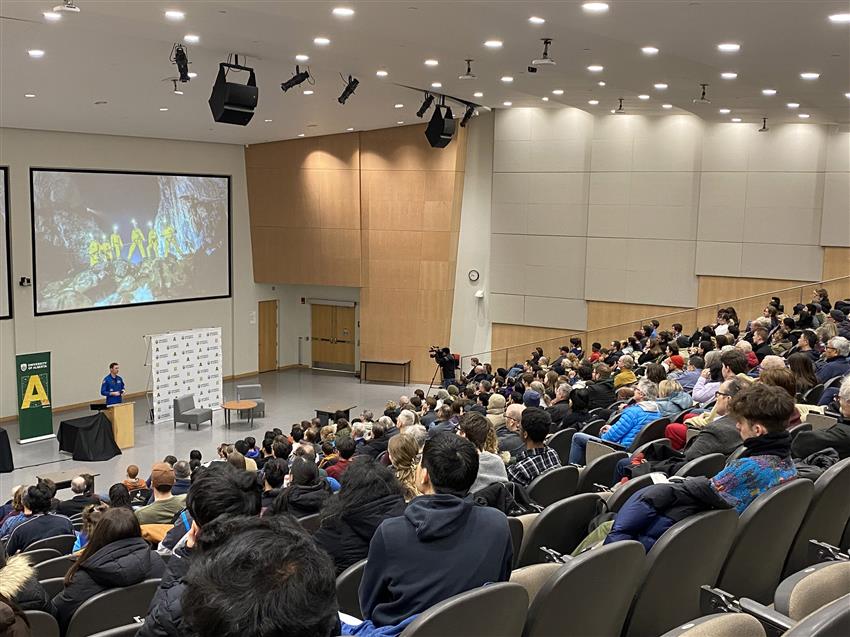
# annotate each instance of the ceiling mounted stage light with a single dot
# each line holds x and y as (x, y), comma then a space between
(621, 110)
(68, 6)
(764, 127)
(299, 77)
(543, 60)
(469, 75)
(179, 57)
(232, 103)
(426, 104)
(468, 114)
(348, 91)
(703, 97)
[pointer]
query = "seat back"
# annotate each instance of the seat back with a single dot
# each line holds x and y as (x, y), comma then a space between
(247, 392)
(561, 526)
(182, 404)
(720, 625)
(348, 589)
(669, 594)
(553, 485)
(804, 592)
(62, 543)
(600, 471)
(130, 630)
(42, 624)
(705, 466)
(826, 517)
(111, 609)
(820, 421)
(140, 497)
(625, 491)
(735, 455)
(53, 586)
(812, 396)
(561, 443)
(495, 609)
(54, 567)
(597, 586)
(311, 523)
(533, 577)
(595, 449)
(775, 514)
(38, 556)
(651, 431)
(833, 620)
(592, 428)
(516, 527)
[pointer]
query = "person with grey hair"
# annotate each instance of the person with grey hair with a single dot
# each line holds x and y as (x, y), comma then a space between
(772, 361)
(625, 376)
(836, 437)
(626, 428)
(836, 362)
(560, 407)
(182, 475)
(80, 500)
(358, 433)
(405, 419)
(419, 433)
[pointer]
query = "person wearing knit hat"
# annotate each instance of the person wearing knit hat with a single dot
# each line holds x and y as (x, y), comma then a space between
(453, 391)
(496, 410)
(676, 362)
(531, 398)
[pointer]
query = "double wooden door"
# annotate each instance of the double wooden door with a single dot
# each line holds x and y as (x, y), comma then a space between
(267, 337)
(332, 337)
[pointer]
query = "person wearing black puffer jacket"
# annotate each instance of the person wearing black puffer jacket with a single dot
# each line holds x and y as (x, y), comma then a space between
(369, 495)
(115, 557)
(19, 584)
(306, 493)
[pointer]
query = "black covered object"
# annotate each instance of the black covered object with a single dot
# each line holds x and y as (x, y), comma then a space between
(88, 438)
(7, 465)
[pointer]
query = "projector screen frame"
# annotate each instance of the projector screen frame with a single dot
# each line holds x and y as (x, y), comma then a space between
(35, 169)
(7, 230)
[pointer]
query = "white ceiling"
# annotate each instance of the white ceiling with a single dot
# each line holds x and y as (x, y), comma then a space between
(118, 51)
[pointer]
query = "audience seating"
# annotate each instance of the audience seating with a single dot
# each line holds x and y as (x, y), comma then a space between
(650, 432)
(561, 527)
(735, 455)
(54, 567)
(62, 543)
(600, 471)
(561, 443)
(130, 630)
(185, 411)
(310, 522)
(688, 555)
(534, 576)
(254, 393)
(112, 609)
(720, 625)
(826, 517)
(53, 585)
(833, 620)
(835, 381)
(553, 485)
(589, 595)
(348, 587)
(625, 491)
(140, 497)
(753, 565)
(804, 592)
(495, 609)
(705, 466)
(42, 555)
(42, 624)
(812, 396)
(592, 428)
(515, 526)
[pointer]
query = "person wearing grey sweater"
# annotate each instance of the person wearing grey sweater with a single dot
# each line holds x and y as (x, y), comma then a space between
(491, 469)
(477, 429)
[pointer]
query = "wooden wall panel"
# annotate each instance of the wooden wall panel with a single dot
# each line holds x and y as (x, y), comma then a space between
(747, 296)
(836, 263)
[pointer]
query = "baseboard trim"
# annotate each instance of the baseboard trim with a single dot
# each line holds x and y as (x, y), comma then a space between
(292, 366)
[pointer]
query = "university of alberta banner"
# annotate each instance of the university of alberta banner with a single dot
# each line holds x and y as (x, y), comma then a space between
(187, 362)
(35, 415)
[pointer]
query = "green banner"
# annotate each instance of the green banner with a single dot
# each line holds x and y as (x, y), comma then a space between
(35, 415)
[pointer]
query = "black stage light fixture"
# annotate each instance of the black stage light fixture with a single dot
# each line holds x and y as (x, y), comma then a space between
(441, 128)
(179, 57)
(295, 80)
(429, 99)
(232, 103)
(349, 89)
(467, 115)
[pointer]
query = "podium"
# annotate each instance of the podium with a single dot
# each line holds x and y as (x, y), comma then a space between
(123, 425)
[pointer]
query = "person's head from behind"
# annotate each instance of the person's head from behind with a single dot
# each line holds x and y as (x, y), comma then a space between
(195, 454)
(346, 447)
(534, 426)
(655, 372)
(761, 409)
(772, 361)
(221, 489)
(449, 465)
(170, 460)
(132, 472)
(78, 485)
(304, 472)
(92, 514)
(119, 496)
(38, 498)
(405, 419)
(475, 428)
(783, 378)
(298, 594)
(281, 449)
(237, 460)
(275, 471)
(115, 524)
(668, 388)
(365, 481)
(182, 471)
(696, 363)
(733, 362)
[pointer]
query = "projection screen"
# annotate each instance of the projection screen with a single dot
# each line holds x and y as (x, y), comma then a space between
(106, 239)
(5, 261)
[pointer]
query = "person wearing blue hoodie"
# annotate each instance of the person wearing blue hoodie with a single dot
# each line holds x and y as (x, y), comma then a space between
(443, 545)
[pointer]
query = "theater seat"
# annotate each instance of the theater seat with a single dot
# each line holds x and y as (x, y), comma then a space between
(804, 592)
(720, 625)
(112, 609)
(62, 543)
(833, 620)
(348, 589)
(553, 485)
(42, 624)
(561, 526)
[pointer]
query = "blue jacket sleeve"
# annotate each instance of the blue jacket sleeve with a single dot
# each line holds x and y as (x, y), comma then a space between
(104, 389)
(620, 429)
(374, 583)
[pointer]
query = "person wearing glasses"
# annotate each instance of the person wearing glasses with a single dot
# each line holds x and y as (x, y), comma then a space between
(836, 359)
(719, 436)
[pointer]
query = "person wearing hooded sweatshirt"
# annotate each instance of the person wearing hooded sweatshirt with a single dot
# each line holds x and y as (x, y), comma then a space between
(402, 578)
(305, 494)
(19, 584)
(115, 557)
(274, 474)
(368, 495)
(672, 399)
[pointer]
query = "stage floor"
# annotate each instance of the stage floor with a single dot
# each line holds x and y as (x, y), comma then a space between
(291, 396)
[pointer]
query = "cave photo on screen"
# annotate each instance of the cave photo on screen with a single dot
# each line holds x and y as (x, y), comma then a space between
(106, 239)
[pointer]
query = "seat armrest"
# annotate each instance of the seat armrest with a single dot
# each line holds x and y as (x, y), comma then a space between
(766, 615)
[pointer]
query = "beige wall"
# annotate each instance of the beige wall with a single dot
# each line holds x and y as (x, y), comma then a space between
(83, 344)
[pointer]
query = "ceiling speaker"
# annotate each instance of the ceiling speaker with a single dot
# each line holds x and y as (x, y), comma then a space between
(441, 128)
(232, 103)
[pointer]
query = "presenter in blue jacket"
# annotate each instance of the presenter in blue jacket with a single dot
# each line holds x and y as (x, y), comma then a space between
(113, 386)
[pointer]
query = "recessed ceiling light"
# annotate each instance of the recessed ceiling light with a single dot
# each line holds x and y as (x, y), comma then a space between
(507, 79)
(493, 44)
(725, 111)
(600, 84)
(300, 135)
(613, 112)
(847, 95)
(436, 85)
(595, 7)
(350, 128)
(398, 106)
(803, 115)
(666, 106)
(768, 91)
(193, 75)
(643, 97)
(381, 73)
(793, 105)
(660, 86)
(267, 121)
(175, 15)
(649, 50)
(558, 91)
(729, 75)
(431, 62)
(29, 95)
(545, 99)
(321, 41)
(343, 12)
(36, 53)
(507, 103)
(307, 91)
(593, 102)
(535, 20)
(595, 68)
(191, 38)
(840, 18)
(163, 109)
(478, 94)
(728, 47)
(52, 16)
(809, 75)
(736, 119)
(177, 91)
(301, 57)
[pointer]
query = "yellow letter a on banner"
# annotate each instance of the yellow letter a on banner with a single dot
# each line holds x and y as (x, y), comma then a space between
(34, 392)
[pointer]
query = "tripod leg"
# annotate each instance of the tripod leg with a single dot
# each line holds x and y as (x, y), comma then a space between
(433, 378)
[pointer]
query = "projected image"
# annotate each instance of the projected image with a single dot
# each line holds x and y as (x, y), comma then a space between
(107, 239)
(5, 287)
